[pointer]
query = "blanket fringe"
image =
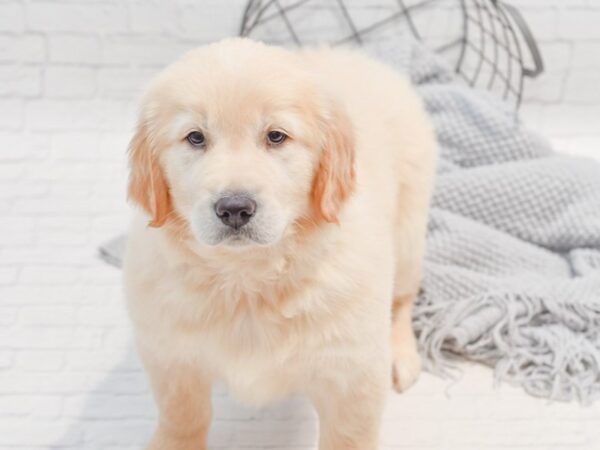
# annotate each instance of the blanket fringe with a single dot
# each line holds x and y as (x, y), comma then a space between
(551, 349)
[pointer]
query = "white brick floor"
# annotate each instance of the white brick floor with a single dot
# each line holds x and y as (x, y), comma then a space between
(69, 378)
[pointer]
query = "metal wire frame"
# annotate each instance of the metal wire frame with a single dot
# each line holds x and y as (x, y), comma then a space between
(490, 29)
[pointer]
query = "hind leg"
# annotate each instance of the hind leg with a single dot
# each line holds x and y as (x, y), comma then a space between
(414, 194)
(406, 362)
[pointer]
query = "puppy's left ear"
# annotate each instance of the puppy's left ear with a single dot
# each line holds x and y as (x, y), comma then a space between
(147, 185)
(335, 177)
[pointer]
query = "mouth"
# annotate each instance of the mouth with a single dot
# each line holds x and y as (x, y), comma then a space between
(237, 237)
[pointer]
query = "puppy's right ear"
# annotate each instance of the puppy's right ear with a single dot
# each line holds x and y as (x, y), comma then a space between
(147, 185)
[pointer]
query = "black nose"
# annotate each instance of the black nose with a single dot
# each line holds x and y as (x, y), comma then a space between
(235, 211)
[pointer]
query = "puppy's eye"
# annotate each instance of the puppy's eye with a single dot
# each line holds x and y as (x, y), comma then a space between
(276, 137)
(196, 138)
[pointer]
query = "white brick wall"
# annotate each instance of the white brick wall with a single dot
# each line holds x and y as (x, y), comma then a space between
(70, 71)
(563, 102)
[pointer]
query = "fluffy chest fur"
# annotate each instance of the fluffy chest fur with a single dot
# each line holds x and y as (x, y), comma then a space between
(264, 326)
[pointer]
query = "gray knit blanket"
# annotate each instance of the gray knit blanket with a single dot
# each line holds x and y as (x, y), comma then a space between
(512, 271)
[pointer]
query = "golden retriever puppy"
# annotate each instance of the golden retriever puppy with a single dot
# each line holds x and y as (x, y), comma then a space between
(278, 247)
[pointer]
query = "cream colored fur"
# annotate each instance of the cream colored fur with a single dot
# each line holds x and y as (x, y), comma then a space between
(322, 306)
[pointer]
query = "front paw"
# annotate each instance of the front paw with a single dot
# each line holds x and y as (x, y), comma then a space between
(406, 368)
(164, 441)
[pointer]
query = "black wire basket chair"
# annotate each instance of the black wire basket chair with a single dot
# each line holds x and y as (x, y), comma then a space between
(487, 41)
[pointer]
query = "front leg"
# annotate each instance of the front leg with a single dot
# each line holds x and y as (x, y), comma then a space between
(182, 394)
(350, 413)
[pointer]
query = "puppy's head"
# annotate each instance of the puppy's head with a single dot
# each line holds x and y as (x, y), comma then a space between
(238, 142)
